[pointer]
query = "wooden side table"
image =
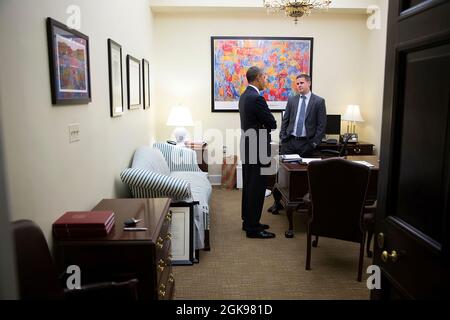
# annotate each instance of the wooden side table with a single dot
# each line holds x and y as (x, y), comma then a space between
(202, 154)
(124, 255)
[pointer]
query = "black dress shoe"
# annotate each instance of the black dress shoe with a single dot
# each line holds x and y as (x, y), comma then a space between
(261, 235)
(261, 226)
(275, 207)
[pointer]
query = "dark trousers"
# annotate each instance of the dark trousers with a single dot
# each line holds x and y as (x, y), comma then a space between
(253, 194)
(302, 147)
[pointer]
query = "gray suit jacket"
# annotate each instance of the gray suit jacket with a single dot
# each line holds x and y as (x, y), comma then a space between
(315, 123)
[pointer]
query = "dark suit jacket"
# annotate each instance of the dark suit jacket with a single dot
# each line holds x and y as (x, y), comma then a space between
(255, 114)
(315, 123)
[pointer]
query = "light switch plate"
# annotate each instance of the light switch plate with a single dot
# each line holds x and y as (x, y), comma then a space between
(74, 132)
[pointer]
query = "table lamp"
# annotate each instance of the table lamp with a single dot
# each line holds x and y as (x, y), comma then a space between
(180, 117)
(352, 114)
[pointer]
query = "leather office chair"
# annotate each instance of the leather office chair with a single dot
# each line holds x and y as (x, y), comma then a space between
(335, 206)
(38, 277)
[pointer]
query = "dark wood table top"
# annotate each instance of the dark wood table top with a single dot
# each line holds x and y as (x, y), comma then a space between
(149, 210)
(303, 167)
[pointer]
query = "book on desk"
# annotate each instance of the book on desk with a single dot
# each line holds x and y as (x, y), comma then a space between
(84, 224)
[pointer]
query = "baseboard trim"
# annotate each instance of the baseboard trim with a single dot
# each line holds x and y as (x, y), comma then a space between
(216, 180)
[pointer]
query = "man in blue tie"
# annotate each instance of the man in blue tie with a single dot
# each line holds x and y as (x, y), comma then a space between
(304, 121)
(303, 126)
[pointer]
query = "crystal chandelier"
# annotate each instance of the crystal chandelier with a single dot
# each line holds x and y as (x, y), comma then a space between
(296, 8)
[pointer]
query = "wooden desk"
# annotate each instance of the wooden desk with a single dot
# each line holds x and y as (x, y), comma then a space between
(123, 255)
(292, 186)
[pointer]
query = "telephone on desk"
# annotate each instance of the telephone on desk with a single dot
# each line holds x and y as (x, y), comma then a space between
(329, 141)
(352, 137)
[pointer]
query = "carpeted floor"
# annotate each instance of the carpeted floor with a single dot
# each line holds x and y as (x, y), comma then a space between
(241, 268)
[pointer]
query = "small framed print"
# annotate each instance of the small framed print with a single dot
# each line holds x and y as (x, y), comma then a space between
(146, 83)
(182, 230)
(68, 52)
(115, 78)
(133, 82)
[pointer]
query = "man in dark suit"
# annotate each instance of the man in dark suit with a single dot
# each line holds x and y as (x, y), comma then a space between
(303, 126)
(256, 123)
(304, 121)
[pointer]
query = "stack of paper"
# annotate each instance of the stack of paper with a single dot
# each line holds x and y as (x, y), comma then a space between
(308, 160)
(290, 157)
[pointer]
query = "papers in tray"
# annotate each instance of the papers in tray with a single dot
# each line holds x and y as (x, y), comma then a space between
(365, 163)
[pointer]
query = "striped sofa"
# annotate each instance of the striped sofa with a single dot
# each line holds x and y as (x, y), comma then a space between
(170, 171)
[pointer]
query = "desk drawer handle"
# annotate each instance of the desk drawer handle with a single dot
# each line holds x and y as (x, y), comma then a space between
(357, 150)
(160, 243)
(161, 265)
(393, 256)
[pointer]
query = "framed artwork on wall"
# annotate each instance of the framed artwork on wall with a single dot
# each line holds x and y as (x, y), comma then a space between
(68, 52)
(133, 82)
(281, 58)
(115, 78)
(146, 83)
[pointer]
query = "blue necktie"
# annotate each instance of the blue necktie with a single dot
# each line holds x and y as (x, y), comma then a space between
(301, 119)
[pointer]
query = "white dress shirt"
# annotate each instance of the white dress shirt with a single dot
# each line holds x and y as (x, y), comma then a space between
(250, 85)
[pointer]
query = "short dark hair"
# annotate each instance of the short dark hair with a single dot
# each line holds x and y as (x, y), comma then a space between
(305, 76)
(253, 73)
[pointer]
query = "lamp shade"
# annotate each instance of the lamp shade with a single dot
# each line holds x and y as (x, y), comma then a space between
(179, 117)
(353, 114)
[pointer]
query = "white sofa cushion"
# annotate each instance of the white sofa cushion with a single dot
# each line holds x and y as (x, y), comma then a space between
(152, 159)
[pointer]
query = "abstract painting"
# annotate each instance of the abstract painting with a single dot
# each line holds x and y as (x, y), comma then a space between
(69, 64)
(281, 59)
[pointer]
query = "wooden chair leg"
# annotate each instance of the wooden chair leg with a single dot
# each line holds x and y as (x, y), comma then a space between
(369, 240)
(361, 257)
(207, 243)
(308, 250)
(315, 242)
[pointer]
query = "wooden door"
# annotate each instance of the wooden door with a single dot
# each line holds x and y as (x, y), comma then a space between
(412, 227)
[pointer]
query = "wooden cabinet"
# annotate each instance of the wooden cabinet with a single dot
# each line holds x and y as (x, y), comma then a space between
(122, 255)
(202, 154)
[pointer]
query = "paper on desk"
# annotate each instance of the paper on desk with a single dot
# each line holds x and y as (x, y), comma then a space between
(308, 160)
(365, 163)
(290, 157)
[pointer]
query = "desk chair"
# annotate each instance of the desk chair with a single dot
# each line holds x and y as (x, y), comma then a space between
(336, 206)
(326, 153)
(38, 277)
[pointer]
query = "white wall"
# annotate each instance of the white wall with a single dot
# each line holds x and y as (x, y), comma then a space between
(372, 103)
(47, 175)
(341, 56)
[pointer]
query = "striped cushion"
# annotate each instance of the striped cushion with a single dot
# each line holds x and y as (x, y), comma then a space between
(178, 158)
(147, 184)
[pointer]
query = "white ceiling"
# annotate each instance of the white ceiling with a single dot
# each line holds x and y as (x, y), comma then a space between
(354, 6)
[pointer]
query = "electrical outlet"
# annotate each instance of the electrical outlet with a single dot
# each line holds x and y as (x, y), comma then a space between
(74, 132)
